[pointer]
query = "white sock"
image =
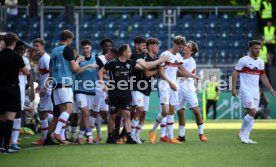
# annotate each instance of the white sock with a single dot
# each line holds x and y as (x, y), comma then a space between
(157, 122)
(50, 118)
(138, 130)
(181, 131)
(200, 129)
(246, 125)
(81, 133)
(92, 121)
(134, 124)
(99, 121)
(73, 131)
(62, 133)
(15, 130)
(170, 121)
(44, 129)
(163, 127)
(61, 122)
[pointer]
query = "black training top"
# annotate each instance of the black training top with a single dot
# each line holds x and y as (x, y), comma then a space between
(119, 72)
(10, 63)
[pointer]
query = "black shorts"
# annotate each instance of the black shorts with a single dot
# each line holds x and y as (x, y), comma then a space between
(10, 99)
(118, 101)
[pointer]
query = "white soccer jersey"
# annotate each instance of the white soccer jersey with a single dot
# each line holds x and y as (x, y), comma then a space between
(23, 81)
(171, 66)
(250, 70)
(188, 83)
(43, 67)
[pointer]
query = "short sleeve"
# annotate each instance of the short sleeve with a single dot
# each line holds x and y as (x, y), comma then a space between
(46, 63)
(99, 62)
(68, 53)
(164, 63)
(109, 65)
(27, 62)
(133, 63)
(20, 62)
(239, 66)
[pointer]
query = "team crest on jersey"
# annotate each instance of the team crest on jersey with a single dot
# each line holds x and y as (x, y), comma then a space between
(249, 104)
(117, 73)
(165, 99)
(128, 66)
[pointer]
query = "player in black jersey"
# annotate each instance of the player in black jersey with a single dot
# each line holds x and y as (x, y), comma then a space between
(118, 89)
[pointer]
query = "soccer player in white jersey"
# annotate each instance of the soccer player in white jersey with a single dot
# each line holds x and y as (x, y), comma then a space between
(251, 70)
(168, 87)
(45, 104)
(187, 93)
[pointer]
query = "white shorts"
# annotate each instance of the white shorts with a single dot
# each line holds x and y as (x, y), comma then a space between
(22, 94)
(63, 95)
(249, 101)
(99, 103)
(140, 100)
(45, 103)
(189, 97)
(168, 96)
(84, 100)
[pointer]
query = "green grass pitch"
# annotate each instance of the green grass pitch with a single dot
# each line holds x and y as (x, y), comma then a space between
(223, 149)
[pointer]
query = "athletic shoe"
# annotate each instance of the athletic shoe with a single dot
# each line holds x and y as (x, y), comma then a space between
(79, 141)
(142, 140)
(38, 142)
(174, 141)
(152, 137)
(203, 138)
(49, 141)
(15, 147)
(242, 138)
(249, 141)
(57, 137)
(164, 139)
(138, 140)
(9, 151)
(181, 138)
(131, 141)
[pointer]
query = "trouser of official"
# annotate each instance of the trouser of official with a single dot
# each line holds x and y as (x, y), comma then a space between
(214, 104)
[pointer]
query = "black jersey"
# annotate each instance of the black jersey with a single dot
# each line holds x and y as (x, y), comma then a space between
(138, 74)
(119, 73)
(147, 88)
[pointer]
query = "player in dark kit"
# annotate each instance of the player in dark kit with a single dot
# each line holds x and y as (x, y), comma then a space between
(10, 104)
(118, 90)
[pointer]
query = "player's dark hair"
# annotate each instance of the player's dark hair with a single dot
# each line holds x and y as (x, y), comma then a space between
(66, 34)
(122, 49)
(138, 40)
(106, 40)
(10, 38)
(194, 47)
(86, 42)
(254, 42)
(114, 51)
(152, 41)
(39, 40)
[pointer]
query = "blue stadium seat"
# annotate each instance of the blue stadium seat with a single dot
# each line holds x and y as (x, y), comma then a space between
(223, 44)
(137, 18)
(10, 26)
(211, 36)
(85, 35)
(86, 27)
(48, 35)
(86, 19)
(237, 37)
(210, 44)
(49, 18)
(223, 57)
(187, 18)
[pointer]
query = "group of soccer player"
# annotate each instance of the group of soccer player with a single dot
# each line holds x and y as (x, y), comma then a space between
(122, 106)
(115, 86)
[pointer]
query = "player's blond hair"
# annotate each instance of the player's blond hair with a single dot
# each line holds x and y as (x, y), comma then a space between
(179, 40)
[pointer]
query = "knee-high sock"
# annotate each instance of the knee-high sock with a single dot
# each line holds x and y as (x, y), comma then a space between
(7, 133)
(170, 121)
(134, 124)
(181, 131)
(99, 121)
(50, 118)
(15, 130)
(2, 129)
(44, 129)
(138, 130)
(200, 129)
(157, 122)
(61, 122)
(163, 127)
